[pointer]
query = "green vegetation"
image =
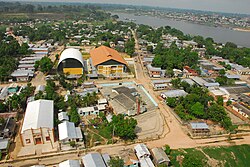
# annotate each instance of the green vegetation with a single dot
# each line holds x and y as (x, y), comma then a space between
(120, 126)
(10, 52)
(199, 105)
(116, 162)
(224, 156)
(45, 64)
(173, 57)
(130, 47)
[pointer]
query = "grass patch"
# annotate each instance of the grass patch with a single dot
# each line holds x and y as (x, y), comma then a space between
(227, 156)
(231, 156)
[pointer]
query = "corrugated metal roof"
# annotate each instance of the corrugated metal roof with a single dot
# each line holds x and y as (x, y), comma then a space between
(160, 155)
(199, 125)
(174, 93)
(39, 113)
(146, 162)
(141, 151)
(70, 163)
(62, 116)
(67, 130)
(93, 160)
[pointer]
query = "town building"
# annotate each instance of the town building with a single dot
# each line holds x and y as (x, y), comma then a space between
(173, 93)
(71, 62)
(38, 123)
(129, 158)
(160, 84)
(22, 75)
(63, 116)
(70, 163)
(108, 62)
(199, 128)
(155, 72)
(68, 132)
(160, 157)
(142, 151)
(128, 100)
(93, 160)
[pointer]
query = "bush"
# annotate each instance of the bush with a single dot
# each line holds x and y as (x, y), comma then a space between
(72, 143)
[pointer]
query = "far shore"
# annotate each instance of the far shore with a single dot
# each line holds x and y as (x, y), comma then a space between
(242, 29)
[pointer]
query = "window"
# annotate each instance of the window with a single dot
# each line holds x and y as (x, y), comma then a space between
(27, 141)
(47, 138)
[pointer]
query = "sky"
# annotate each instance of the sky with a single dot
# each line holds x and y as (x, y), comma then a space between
(230, 6)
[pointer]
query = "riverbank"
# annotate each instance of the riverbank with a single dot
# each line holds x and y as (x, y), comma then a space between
(219, 34)
(242, 29)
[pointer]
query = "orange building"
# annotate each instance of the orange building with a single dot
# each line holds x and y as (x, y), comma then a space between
(107, 61)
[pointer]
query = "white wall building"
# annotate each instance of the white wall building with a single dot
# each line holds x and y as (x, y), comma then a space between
(38, 124)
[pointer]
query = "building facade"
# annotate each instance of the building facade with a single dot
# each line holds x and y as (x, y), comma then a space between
(38, 124)
(108, 62)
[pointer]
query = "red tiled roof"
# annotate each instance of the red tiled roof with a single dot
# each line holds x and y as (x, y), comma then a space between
(103, 54)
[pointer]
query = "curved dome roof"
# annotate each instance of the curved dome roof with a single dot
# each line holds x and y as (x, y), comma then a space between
(71, 53)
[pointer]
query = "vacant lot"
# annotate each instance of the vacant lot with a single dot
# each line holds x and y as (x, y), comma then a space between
(212, 156)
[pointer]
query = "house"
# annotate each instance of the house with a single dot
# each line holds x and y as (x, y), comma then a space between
(88, 111)
(141, 151)
(63, 116)
(199, 128)
(189, 72)
(235, 77)
(102, 101)
(4, 146)
(68, 132)
(70, 163)
(219, 91)
(7, 129)
(173, 93)
(38, 123)
(93, 160)
(108, 62)
(155, 72)
(160, 84)
(4, 93)
(40, 88)
(129, 158)
(244, 71)
(146, 162)
(106, 159)
(22, 75)
(160, 156)
(240, 109)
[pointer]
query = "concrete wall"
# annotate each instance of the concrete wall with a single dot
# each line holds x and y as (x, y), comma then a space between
(29, 136)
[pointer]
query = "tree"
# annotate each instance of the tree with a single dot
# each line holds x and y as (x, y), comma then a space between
(197, 110)
(229, 102)
(220, 100)
(130, 47)
(45, 64)
(167, 149)
(116, 162)
(123, 127)
(171, 101)
(74, 116)
(222, 72)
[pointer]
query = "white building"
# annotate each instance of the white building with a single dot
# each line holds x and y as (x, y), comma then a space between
(68, 132)
(141, 151)
(38, 124)
(69, 163)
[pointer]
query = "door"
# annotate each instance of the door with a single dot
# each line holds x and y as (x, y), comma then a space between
(38, 140)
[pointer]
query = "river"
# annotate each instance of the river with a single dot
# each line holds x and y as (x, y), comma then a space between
(219, 34)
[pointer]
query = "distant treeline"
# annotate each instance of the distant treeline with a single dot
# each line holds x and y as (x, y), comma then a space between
(15, 7)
